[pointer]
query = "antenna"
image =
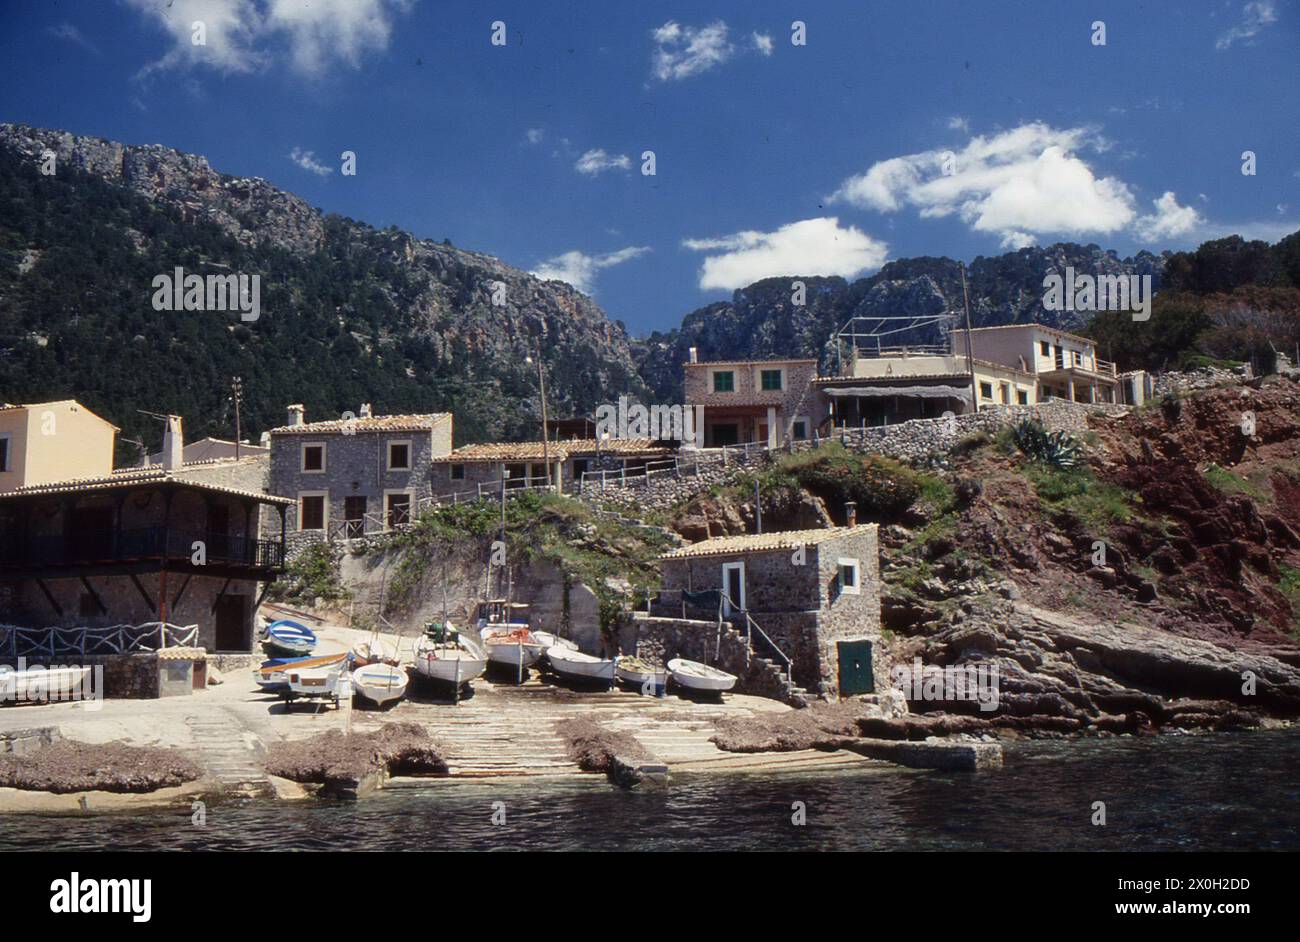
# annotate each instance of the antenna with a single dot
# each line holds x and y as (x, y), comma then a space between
(237, 397)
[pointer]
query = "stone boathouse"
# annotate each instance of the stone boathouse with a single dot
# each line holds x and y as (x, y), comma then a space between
(806, 598)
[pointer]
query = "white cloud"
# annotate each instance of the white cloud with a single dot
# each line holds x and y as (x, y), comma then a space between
(69, 32)
(306, 159)
(246, 35)
(817, 246)
(683, 51)
(580, 269)
(324, 30)
(762, 42)
(959, 123)
(1019, 184)
(1169, 221)
(1254, 17)
(534, 135)
(230, 28)
(596, 161)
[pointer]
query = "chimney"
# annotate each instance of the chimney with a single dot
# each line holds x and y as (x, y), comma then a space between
(365, 410)
(265, 440)
(295, 415)
(694, 355)
(173, 452)
(850, 514)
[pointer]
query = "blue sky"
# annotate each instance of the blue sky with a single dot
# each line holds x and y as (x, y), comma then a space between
(898, 129)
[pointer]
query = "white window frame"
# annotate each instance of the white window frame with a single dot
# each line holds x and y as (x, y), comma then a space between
(7, 463)
(302, 457)
(325, 509)
(848, 562)
(984, 383)
(807, 428)
(410, 509)
(389, 454)
(726, 586)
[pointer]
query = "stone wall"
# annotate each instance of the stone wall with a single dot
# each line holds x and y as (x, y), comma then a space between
(923, 441)
(1204, 378)
(124, 676)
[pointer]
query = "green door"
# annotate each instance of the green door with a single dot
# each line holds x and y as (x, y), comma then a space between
(855, 668)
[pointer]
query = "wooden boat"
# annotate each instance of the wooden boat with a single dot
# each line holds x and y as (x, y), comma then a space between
(548, 640)
(273, 675)
(317, 683)
(379, 683)
(52, 683)
(696, 676)
(373, 651)
(289, 637)
(574, 664)
(513, 647)
(449, 662)
(635, 670)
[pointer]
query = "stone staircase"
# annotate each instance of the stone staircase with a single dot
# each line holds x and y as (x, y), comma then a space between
(762, 676)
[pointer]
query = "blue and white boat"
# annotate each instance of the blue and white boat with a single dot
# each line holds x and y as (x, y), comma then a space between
(273, 675)
(289, 637)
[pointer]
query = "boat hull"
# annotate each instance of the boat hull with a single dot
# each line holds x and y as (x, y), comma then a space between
(640, 678)
(379, 683)
(696, 676)
(580, 667)
(449, 670)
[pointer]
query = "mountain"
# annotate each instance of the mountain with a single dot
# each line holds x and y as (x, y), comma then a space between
(761, 320)
(349, 314)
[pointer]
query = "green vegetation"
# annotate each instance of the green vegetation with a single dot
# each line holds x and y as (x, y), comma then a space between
(1077, 492)
(1227, 482)
(312, 577)
(881, 487)
(1229, 301)
(587, 547)
(1289, 585)
(1055, 449)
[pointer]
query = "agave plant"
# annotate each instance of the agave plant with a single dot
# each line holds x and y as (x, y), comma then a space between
(1058, 449)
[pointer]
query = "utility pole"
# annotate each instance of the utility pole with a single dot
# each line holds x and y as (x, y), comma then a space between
(758, 508)
(237, 396)
(970, 355)
(541, 386)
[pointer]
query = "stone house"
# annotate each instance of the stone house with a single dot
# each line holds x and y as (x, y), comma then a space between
(745, 401)
(478, 469)
(356, 475)
(168, 543)
(815, 594)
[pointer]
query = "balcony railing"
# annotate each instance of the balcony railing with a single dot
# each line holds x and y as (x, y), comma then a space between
(140, 543)
(1066, 361)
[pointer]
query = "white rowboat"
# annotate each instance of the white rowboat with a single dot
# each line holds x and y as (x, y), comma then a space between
(379, 683)
(696, 676)
(322, 683)
(571, 663)
(633, 670)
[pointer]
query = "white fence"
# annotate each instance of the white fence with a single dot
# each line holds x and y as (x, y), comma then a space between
(16, 641)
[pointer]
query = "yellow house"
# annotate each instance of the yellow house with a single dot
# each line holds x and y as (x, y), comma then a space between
(45, 442)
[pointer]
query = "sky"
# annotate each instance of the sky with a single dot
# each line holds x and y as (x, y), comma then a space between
(788, 138)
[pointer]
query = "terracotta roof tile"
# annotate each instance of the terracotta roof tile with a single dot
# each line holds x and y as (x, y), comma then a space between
(131, 477)
(378, 423)
(556, 451)
(764, 542)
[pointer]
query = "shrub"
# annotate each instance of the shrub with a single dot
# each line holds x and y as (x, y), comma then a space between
(1057, 449)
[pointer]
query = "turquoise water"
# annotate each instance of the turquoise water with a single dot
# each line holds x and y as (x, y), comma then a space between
(1218, 792)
